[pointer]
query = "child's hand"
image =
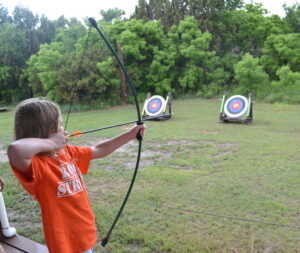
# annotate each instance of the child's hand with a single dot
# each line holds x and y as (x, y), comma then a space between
(59, 139)
(138, 129)
(2, 183)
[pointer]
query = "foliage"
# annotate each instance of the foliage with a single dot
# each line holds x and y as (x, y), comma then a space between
(245, 30)
(4, 17)
(251, 77)
(293, 16)
(145, 50)
(287, 88)
(281, 50)
(112, 14)
(193, 59)
(12, 58)
(26, 21)
(182, 46)
(46, 30)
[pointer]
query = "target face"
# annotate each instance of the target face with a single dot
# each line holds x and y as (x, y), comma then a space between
(236, 106)
(155, 106)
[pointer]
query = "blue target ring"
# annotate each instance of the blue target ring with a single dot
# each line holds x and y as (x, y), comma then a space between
(236, 106)
(155, 106)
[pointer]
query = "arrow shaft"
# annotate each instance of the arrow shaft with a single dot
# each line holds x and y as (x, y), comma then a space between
(118, 125)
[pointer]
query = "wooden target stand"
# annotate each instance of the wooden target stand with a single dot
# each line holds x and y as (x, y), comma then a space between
(237, 109)
(155, 107)
(10, 241)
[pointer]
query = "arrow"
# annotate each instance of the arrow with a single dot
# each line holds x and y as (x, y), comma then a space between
(79, 133)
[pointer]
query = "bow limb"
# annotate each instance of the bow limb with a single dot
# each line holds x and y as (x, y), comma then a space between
(139, 122)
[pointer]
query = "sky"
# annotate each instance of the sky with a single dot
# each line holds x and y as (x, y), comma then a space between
(53, 9)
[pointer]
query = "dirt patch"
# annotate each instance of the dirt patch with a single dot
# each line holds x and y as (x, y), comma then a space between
(124, 158)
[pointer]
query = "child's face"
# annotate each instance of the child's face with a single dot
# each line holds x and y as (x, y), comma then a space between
(60, 127)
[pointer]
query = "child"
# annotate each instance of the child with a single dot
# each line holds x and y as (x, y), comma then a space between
(51, 171)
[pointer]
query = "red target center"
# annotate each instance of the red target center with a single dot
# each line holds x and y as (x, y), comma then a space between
(236, 106)
(154, 106)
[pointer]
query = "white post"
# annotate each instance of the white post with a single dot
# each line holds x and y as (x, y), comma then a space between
(7, 231)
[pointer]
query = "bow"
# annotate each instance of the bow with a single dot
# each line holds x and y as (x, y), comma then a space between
(139, 122)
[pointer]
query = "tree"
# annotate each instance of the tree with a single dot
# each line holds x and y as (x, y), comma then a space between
(287, 88)
(47, 64)
(251, 77)
(143, 11)
(4, 17)
(68, 37)
(46, 30)
(287, 79)
(112, 14)
(12, 59)
(194, 61)
(292, 17)
(245, 30)
(281, 50)
(27, 22)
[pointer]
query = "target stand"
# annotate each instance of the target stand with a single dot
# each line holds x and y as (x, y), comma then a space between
(236, 109)
(156, 106)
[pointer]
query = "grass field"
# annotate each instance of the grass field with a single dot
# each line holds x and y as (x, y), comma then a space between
(203, 186)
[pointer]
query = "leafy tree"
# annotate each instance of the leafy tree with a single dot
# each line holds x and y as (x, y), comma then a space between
(94, 84)
(112, 14)
(12, 59)
(30, 74)
(140, 42)
(251, 77)
(245, 30)
(287, 88)
(44, 70)
(27, 22)
(209, 13)
(4, 17)
(68, 37)
(194, 61)
(287, 79)
(281, 50)
(292, 17)
(61, 22)
(46, 30)
(143, 11)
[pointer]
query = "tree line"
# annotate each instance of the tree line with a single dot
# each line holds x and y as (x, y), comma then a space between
(200, 47)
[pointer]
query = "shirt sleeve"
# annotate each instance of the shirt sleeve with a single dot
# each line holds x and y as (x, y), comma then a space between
(30, 185)
(82, 157)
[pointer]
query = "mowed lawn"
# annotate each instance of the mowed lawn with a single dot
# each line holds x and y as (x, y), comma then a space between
(202, 186)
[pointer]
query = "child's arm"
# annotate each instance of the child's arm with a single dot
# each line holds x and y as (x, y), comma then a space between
(21, 151)
(2, 183)
(109, 146)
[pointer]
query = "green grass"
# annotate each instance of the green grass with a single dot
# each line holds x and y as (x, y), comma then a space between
(192, 168)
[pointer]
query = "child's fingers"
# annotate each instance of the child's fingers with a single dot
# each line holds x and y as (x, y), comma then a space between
(67, 136)
(141, 129)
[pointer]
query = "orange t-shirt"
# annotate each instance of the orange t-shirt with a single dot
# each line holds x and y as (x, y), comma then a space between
(68, 219)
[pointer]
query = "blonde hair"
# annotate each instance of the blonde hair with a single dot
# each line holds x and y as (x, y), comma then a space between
(36, 117)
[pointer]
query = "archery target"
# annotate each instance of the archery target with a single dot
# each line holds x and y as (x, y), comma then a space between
(236, 106)
(155, 105)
